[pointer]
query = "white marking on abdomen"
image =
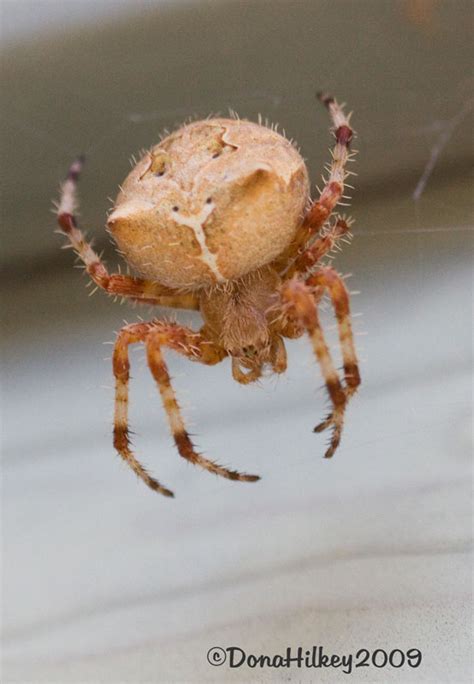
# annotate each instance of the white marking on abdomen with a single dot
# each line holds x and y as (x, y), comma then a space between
(196, 223)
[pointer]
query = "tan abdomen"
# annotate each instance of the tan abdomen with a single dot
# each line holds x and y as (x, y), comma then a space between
(212, 202)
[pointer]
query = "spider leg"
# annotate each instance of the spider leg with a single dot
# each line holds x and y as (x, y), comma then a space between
(196, 347)
(331, 281)
(114, 284)
(333, 189)
(323, 244)
(121, 366)
(299, 303)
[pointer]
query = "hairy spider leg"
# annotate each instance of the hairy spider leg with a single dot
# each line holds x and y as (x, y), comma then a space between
(156, 334)
(194, 346)
(321, 246)
(328, 279)
(333, 189)
(300, 303)
(147, 291)
(131, 334)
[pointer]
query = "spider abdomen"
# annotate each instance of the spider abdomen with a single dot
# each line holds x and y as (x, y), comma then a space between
(212, 202)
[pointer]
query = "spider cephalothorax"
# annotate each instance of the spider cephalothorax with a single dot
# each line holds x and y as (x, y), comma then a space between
(217, 217)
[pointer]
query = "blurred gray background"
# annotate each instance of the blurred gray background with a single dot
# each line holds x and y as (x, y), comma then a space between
(105, 581)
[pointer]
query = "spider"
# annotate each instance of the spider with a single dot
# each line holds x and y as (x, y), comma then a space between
(217, 218)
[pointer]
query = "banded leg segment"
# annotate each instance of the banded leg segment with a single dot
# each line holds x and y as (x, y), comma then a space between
(333, 189)
(328, 279)
(193, 346)
(140, 289)
(321, 246)
(300, 304)
(131, 334)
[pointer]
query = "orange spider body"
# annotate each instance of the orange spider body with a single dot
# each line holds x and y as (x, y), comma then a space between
(217, 218)
(211, 203)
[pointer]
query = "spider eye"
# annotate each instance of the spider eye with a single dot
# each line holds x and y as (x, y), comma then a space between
(175, 208)
(209, 200)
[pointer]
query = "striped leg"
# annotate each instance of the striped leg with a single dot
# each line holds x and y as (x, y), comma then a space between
(139, 289)
(299, 303)
(329, 280)
(333, 189)
(131, 334)
(194, 346)
(321, 246)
